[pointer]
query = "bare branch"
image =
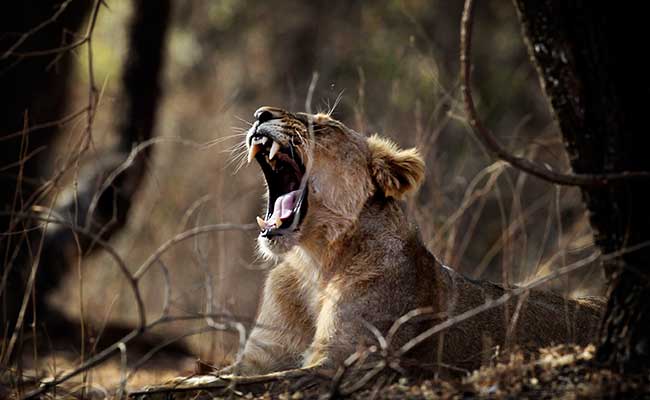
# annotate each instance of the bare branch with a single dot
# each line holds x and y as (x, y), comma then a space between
(58, 50)
(135, 152)
(223, 382)
(168, 290)
(187, 235)
(123, 359)
(37, 28)
(44, 125)
(490, 141)
(144, 359)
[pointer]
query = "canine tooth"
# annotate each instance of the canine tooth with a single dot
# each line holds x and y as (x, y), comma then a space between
(261, 223)
(278, 221)
(275, 147)
(255, 148)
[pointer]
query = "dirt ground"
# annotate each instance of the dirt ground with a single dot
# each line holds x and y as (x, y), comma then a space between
(561, 372)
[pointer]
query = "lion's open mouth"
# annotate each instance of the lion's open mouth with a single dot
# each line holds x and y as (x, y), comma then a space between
(283, 170)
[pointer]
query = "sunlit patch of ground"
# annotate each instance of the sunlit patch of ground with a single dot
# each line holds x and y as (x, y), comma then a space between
(100, 382)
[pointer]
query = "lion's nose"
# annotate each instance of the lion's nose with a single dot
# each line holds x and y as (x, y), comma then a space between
(264, 114)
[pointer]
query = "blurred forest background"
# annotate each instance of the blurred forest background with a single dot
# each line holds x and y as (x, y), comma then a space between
(387, 66)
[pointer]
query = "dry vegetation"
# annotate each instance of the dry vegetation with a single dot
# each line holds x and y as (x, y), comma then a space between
(389, 67)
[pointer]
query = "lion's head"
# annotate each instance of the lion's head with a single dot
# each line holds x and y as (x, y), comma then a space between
(319, 174)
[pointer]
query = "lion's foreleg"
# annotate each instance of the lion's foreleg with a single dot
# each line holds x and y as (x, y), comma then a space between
(283, 329)
(332, 341)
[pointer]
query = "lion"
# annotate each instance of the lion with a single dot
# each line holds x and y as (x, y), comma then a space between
(352, 273)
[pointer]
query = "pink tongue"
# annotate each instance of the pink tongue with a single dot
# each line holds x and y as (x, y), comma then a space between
(284, 205)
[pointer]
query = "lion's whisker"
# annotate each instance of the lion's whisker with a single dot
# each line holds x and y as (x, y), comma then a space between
(336, 103)
(219, 140)
(242, 162)
(237, 147)
(243, 120)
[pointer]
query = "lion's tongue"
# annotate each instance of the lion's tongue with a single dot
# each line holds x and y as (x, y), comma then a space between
(284, 206)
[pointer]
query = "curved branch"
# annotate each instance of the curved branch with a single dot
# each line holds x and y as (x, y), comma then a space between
(199, 230)
(491, 142)
(11, 50)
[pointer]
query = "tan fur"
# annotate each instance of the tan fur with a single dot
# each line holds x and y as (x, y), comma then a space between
(356, 262)
(397, 172)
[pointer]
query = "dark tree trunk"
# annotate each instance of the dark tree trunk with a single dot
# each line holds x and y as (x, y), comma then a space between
(598, 86)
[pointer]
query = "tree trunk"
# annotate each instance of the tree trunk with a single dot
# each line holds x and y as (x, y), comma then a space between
(598, 89)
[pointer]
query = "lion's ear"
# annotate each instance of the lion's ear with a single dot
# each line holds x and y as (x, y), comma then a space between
(397, 172)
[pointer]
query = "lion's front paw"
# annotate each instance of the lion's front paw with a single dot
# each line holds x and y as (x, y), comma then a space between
(315, 358)
(227, 371)
(244, 368)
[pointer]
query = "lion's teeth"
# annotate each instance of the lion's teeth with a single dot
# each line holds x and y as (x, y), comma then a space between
(261, 223)
(278, 221)
(275, 147)
(255, 148)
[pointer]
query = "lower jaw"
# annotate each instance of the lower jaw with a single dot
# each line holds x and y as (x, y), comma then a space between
(278, 245)
(277, 234)
(289, 229)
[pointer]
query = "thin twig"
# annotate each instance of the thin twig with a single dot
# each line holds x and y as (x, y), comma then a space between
(490, 141)
(47, 52)
(128, 162)
(36, 127)
(209, 294)
(187, 235)
(149, 355)
(35, 29)
(23, 159)
(167, 300)
(121, 392)
(379, 367)
(336, 381)
(29, 288)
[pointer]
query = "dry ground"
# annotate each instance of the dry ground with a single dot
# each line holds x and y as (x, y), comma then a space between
(564, 372)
